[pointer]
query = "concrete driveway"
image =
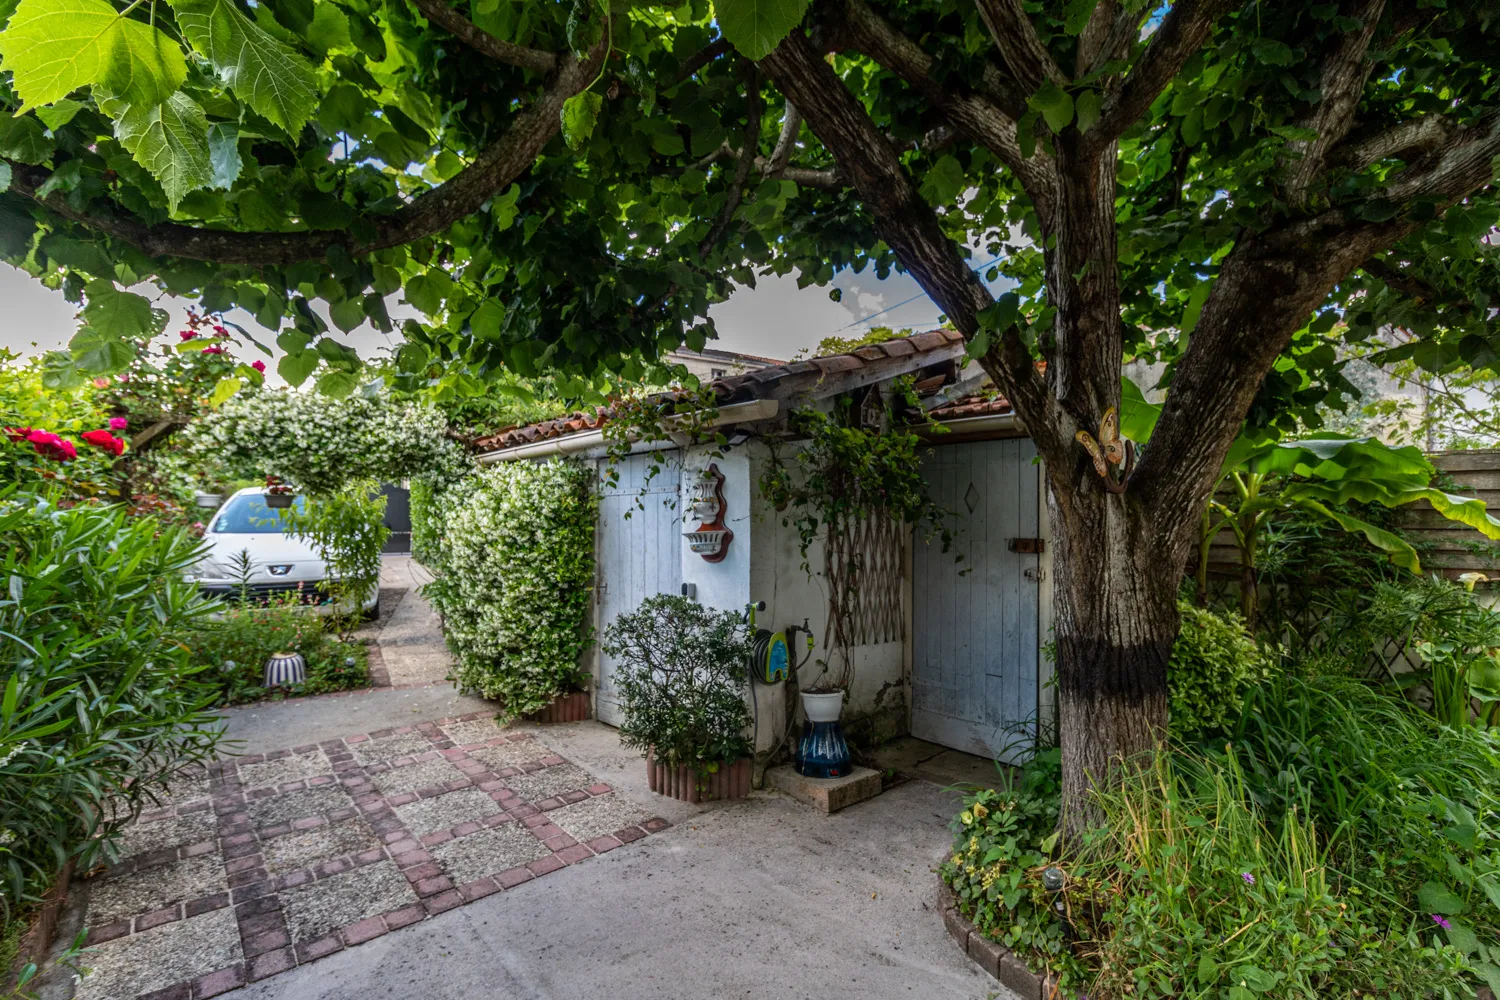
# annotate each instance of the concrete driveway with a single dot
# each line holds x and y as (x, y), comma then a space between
(762, 898)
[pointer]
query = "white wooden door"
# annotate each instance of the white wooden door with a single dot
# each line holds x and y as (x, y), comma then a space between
(975, 620)
(639, 551)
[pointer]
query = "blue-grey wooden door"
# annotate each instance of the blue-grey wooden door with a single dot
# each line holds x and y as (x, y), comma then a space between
(639, 546)
(975, 620)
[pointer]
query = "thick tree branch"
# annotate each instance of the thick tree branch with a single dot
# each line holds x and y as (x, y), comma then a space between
(906, 222)
(1266, 288)
(981, 119)
(1182, 32)
(1096, 35)
(1423, 133)
(482, 41)
(701, 58)
(1345, 70)
(1020, 46)
(505, 159)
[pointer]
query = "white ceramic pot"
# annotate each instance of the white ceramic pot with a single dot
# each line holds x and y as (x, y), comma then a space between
(822, 707)
(208, 500)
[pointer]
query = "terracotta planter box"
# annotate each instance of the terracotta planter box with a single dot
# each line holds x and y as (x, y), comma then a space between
(574, 707)
(730, 781)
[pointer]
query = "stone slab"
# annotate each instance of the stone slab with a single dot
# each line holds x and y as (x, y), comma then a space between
(827, 794)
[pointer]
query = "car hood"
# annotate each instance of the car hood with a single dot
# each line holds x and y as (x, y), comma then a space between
(265, 550)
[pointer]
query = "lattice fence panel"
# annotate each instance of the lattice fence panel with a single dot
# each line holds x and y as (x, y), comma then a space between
(864, 563)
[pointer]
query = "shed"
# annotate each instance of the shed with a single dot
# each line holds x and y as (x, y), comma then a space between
(948, 646)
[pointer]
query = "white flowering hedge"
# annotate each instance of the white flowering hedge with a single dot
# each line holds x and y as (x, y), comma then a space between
(513, 549)
(320, 443)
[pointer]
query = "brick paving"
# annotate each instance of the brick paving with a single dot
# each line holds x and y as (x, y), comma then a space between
(323, 847)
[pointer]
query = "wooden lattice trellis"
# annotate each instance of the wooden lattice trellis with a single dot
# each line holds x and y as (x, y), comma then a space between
(863, 564)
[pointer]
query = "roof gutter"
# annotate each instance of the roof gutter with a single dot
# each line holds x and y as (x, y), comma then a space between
(570, 444)
(993, 423)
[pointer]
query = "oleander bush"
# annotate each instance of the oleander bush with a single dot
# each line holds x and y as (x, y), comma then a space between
(103, 704)
(513, 551)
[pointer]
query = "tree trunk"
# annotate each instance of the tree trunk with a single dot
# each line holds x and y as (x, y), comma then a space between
(1115, 602)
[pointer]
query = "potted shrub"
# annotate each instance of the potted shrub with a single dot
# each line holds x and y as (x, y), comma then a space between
(681, 678)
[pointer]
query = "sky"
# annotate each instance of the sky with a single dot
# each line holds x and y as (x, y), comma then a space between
(774, 319)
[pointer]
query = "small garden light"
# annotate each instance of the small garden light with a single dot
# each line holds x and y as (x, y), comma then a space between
(1053, 880)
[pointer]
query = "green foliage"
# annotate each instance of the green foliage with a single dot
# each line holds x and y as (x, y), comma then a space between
(1002, 839)
(680, 671)
(1399, 798)
(247, 636)
(103, 705)
(848, 468)
(27, 403)
(54, 47)
(348, 530)
(755, 27)
(513, 550)
(322, 444)
(1213, 660)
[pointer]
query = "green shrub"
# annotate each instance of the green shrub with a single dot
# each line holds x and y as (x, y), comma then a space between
(515, 564)
(247, 637)
(103, 705)
(1002, 839)
(1213, 660)
(681, 677)
(347, 527)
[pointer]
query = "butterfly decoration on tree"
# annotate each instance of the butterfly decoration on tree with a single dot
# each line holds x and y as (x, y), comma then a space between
(1110, 452)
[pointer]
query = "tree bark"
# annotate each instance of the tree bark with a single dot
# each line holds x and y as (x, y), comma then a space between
(1115, 604)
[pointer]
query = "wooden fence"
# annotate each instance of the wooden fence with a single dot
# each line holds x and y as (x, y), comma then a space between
(1444, 546)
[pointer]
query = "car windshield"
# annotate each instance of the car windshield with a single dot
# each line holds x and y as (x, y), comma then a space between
(249, 515)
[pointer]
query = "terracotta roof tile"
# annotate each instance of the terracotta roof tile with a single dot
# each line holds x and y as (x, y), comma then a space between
(758, 384)
(972, 406)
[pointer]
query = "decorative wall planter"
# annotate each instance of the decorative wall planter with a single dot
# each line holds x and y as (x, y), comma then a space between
(730, 781)
(209, 501)
(573, 707)
(278, 501)
(711, 538)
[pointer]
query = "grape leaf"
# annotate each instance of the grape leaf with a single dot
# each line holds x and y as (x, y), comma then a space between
(580, 113)
(114, 313)
(224, 155)
(296, 367)
(59, 113)
(755, 27)
(261, 71)
(95, 353)
(171, 141)
(54, 47)
(23, 139)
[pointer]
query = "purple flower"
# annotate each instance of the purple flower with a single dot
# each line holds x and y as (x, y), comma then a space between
(1437, 919)
(1249, 879)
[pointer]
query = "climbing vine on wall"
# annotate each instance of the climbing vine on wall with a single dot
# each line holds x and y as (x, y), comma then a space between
(513, 548)
(851, 470)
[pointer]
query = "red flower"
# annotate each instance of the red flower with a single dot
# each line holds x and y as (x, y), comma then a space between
(213, 349)
(118, 423)
(17, 434)
(188, 334)
(104, 439)
(51, 446)
(259, 366)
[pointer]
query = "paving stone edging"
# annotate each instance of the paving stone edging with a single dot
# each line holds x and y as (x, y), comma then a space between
(992, 956)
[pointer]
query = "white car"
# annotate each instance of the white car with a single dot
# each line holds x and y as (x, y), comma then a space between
(251, 553)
